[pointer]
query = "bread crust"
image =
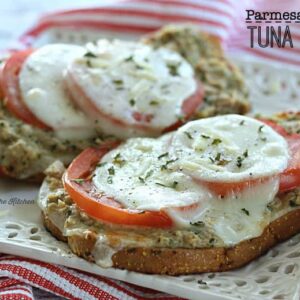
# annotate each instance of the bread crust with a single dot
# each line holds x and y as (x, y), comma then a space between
(55, 231)
(38, 178)
(188, 261)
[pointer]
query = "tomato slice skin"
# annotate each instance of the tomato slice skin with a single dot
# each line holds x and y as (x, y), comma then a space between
(279, 129)
(290, 177)
(11, 89)
(226, 188)
(100, 206)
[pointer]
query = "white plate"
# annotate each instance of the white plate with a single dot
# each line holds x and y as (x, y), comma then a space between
(275, 275)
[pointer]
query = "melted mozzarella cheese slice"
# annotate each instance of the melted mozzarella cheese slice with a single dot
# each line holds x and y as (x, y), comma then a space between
(41, 84)
(243, 215)
(229, 148)
(150, 174)
(123, 79)
(135, 175)
(236, 217)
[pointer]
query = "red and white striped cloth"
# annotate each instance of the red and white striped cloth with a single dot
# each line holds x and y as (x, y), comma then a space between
(222, 18)
(18, 275)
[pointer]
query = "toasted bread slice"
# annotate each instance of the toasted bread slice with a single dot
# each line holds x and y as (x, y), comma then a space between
(179, 261)
(187, 40)
(26, 150)
(225, 89)
(173, 253)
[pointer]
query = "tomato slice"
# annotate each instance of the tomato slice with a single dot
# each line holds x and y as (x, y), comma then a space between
(290, 178)
(11, 89)
(226, 188)
(100, 206)
(279, 129)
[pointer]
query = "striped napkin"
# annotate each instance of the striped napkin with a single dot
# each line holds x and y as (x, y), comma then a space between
(225, 19)
(18, 275)
(222, 18)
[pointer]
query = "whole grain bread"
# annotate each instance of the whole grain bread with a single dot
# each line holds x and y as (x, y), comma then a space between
(187, 261)
(177, 261)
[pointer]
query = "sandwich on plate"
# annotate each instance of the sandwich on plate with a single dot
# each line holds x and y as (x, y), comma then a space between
(59, 99)
(211, 196)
